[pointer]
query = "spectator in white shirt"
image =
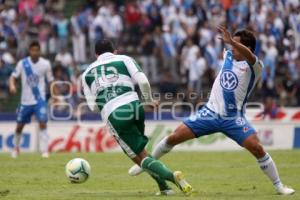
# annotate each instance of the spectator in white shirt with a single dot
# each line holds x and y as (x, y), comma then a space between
(196, 72)
(115, 27)
(62, 31)
(64, 58)
(78, 40)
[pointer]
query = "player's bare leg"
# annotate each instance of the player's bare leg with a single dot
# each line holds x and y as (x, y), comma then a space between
(181, 134)
(266, 164)
(161, 173)
(43, 136)
(17, 138)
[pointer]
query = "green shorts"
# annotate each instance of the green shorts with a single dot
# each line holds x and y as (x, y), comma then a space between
(126, 124)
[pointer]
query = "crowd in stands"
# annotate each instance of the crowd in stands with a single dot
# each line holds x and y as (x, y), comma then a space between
(175, 41)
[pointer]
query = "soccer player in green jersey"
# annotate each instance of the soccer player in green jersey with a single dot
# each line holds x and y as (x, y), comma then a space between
(108, 85)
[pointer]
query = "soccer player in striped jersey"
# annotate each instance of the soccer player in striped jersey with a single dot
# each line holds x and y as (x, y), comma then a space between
(34, 70)
(224, 111)
(108, 86)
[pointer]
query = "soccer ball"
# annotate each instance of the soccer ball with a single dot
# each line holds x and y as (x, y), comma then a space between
(78, 170)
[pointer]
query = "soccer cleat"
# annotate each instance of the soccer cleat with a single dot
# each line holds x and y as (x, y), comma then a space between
(167, 192)
(15, 152)
(135, 170)
(182, 184)
(285, 190)
(45, 155)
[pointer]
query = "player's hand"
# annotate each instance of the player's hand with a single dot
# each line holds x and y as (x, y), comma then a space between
(156, 103)
(225, 35)
(13, 90)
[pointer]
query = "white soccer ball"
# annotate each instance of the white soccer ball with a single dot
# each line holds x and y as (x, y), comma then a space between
(78, 170)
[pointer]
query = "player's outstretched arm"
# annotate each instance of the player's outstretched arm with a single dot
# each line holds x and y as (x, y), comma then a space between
(245, 51)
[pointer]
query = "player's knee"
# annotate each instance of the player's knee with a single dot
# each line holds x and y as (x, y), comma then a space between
(257, 150)
(181, 134)
(19, 128)
(43, 125)
(172, 140)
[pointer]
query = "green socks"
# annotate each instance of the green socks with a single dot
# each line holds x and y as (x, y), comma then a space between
(162, 184)
(156, 169)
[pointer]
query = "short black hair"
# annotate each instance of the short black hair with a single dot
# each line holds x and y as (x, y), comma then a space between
(247, 38)
(103, 46)
(35, 44)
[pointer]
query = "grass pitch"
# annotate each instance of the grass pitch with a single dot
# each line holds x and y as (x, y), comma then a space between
(215, 175)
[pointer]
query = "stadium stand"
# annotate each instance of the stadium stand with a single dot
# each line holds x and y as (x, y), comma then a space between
(175, 42)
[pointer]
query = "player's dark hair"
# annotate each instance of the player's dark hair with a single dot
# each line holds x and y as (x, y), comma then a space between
(103, 46)
(247, 38)
(34, 44)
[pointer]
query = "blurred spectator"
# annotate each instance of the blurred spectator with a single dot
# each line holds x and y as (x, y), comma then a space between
(62, 31)
(8, 12)
(37, 14)
(167, 84)
(153, 11)
(169, 53)
(60, 89)
(64, 58)
(196, 72)
(26, 6)
(92, 34)
(20, 28)
(115, 27)
(205, 34)
(78, 38)
(267, 84)
(52, 43)
(188, 57)
(167, 12)
(56, 5)
(148, 58)
(178, 26)
(133, 17)
(6, 31)
(287, 90)
(290, 57)
(190, 21)
(156, 31)
(44, 33)
(6, 68)
(271, 110)
(271, 53)
(211, 55)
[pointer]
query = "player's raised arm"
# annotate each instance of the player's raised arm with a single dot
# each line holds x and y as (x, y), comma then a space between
(243, 50)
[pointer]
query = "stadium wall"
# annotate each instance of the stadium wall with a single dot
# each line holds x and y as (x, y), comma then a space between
(94, 137)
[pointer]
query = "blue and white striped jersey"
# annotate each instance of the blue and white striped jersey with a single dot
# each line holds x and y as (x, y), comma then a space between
(233, 86)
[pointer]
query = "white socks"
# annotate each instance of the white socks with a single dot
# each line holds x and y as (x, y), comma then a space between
(43, 141)
(268, 166)
(161, 148)
(17, 139)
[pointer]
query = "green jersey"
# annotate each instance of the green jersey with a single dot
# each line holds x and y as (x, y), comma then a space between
(108, 84)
